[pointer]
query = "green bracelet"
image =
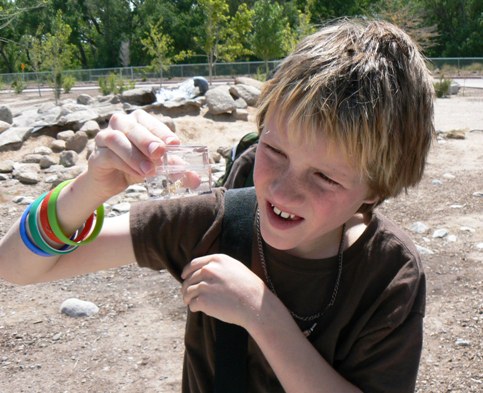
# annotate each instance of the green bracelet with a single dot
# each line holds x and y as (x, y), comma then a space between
(34, 231)
(54, 223)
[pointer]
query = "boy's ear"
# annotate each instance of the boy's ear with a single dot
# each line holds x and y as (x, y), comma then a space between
(371, 200)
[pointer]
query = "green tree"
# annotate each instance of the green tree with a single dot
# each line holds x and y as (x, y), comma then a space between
(215, 19)
(180, 19)
(410, 17)
(323, 10)
(35, 53)
(12, 15)
(237, 36)
(270, 33)
(160, 47)
(301, 28)
(460, 26)
(58, 51)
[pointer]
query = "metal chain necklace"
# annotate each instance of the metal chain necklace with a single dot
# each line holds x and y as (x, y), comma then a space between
(314, 317)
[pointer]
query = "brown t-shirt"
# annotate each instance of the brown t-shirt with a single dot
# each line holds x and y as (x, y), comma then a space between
(373, 333)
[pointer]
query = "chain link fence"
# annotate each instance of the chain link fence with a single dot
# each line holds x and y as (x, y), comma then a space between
(175, 71)
(451, 67)
(445, 67)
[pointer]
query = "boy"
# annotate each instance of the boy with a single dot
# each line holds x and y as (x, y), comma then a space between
(334, 297)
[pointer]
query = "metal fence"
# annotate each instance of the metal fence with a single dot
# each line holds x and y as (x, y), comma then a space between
(458, 66)
(174, 71)
(449, 66)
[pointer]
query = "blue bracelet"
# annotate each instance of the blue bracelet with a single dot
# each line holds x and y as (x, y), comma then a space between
(36, 236)
(25, 238)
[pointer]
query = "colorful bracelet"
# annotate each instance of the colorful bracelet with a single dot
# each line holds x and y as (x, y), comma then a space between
(47, 229)
(25, 238)
(54, 223)
(36, 235)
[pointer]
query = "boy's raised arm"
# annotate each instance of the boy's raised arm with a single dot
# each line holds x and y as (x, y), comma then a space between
(125, 153)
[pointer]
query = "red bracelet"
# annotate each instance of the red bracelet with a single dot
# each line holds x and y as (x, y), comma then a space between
(47, 229)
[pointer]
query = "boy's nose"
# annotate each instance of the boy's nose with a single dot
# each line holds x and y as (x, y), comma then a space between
(286, 188)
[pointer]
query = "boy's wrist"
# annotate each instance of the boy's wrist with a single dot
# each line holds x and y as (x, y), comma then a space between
(272, 313)
(77, 201)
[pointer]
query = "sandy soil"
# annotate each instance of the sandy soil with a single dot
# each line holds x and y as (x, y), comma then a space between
(135, 342)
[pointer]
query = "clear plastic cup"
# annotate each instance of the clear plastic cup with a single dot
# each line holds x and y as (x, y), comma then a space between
(185, 170)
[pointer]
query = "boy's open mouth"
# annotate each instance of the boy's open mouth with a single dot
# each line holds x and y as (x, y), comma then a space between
(284, 215)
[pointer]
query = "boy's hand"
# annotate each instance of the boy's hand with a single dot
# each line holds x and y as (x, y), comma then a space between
(224, 288)
(128, 150)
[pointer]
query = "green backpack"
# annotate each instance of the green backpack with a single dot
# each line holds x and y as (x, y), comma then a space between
(245, 143)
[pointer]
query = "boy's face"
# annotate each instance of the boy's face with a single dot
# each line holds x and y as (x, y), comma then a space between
(305, 192)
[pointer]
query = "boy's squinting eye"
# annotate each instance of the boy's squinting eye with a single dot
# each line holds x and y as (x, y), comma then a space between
(327, 180)
(272, 149)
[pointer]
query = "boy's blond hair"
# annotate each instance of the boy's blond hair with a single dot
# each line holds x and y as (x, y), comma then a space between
(365, 85)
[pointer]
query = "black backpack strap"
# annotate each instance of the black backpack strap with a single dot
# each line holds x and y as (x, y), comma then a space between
(231, 340)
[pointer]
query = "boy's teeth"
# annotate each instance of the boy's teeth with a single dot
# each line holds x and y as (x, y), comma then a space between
(282, 214)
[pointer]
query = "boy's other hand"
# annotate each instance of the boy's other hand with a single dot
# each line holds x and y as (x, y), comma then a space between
(224, 288)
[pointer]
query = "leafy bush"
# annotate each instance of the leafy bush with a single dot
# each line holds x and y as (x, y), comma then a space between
(68, 82)
(474, 67)
(114, 84)
(442, 87)
(18, 85)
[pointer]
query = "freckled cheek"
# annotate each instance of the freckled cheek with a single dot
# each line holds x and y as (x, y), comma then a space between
(265, 170)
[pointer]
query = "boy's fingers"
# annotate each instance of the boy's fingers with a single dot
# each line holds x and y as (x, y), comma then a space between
(150, 141)
(195, 265)
(157, 127)
(119, 145)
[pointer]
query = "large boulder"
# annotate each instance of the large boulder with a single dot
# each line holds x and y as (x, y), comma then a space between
(219, 100)
(13, 138)
(248, 93)
(138, 97)
(6, 114)
(244, 80)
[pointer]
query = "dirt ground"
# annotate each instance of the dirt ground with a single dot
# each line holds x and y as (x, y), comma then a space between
(135, 342)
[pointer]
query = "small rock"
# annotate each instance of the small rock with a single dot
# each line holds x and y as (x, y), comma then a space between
(78, 308)
(436, 182)
(123, 207)
(46, 162)
(31, 158)
(23, 200)
(6, 166)
(440, 233)
(68, 158)
(449, 176)
(460, 342)
(4, 125)
(56, 337)
(419, 227)
(65, 135)
(57, 146)
(423, 250)
(478, 194)
(6, 114)
(135, 188)
(42, 150)
(85, 99)
(456, 134)
(27, 174)
(240, 114)
(91, 128)
(77, 142)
